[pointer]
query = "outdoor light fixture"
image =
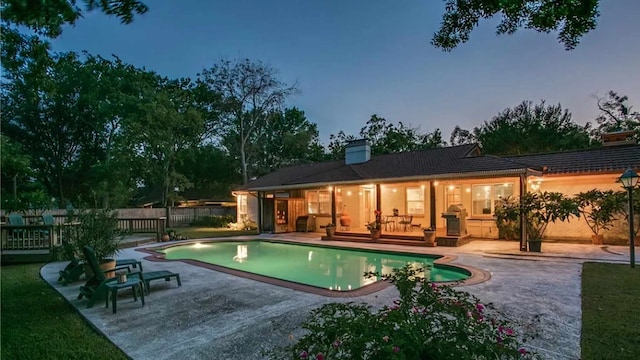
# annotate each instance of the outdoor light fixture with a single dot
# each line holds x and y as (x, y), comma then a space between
(629, 180)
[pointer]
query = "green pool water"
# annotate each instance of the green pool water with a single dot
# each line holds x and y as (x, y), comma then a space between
(324, 267)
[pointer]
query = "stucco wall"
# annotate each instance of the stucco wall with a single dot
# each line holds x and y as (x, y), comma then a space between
(577, 228)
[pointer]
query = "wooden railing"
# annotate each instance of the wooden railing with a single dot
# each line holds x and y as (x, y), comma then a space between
(144, 225)
(28, 237)
(44, 237)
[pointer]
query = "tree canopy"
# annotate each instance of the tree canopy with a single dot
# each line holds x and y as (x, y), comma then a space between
(571, 19)
(46, 17)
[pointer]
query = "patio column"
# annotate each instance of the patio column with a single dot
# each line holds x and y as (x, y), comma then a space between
(378, 198)
(333, 205)
(432, 205)
(260, 210)
(523, 224)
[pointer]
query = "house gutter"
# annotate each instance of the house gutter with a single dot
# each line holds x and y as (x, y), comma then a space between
(477, 174)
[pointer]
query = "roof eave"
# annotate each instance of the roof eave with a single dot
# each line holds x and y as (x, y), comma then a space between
(466, 175)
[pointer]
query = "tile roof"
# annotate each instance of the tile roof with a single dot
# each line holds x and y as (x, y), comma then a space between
(605, 159)
(458, 160)
(431, 162)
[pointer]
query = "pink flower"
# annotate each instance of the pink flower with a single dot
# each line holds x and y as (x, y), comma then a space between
(396, 349)
(319, 356)
(479, 307)
(500, 328)
(469, 314)
(509, 331)
(522, 351)
(336, 343)
(433, 286)
(304, 355)
(385, 338)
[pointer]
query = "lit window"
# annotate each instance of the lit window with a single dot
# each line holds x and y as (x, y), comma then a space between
(415, 201)
(319, 202)
(484, 197)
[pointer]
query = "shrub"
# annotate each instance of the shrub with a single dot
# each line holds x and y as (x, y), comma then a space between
(429, 321)
(215, 221)
(507, 229)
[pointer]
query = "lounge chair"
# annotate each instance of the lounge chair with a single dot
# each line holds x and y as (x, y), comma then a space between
(75, 269)
(97, 286)
(15, 220)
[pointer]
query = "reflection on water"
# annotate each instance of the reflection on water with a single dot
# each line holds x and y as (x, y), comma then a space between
(242, 253)
(329, 268)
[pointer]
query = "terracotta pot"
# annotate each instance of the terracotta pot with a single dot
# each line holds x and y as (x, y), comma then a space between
(597, 239)
(430, 238)
(331, 231)
(345, 219)
(165, 238)
(375, 234)
(109, 264)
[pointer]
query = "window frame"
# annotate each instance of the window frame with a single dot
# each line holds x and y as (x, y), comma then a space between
(492, 197)
(420, 200)
(319, 194)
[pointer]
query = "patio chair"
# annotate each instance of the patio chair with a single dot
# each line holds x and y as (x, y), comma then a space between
(75, 269)
(406, 222)
(97, 286)
(15, 220)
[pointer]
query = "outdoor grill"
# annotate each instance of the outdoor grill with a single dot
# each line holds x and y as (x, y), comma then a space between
(456, 220)
(306, 223)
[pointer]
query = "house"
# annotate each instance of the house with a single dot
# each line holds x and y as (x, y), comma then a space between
(431, 186)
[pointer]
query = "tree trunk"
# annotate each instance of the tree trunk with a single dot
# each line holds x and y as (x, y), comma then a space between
(243, 158)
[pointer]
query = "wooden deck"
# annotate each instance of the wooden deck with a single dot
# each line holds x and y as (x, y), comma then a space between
(413, 238)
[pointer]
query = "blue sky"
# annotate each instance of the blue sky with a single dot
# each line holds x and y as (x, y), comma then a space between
(352, 59)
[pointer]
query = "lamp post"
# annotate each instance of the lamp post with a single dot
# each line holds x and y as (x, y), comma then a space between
(629, 180)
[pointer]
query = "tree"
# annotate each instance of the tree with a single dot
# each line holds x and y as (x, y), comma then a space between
(66, 111)
(287, 139)
(250, 93)
(165, 123)
(386, 138)
(617, 115)
(529, 129)
(461, 136)
(572, 19)
(47, 17)
(210, 169)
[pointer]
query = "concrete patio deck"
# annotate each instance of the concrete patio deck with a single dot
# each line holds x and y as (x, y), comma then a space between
(219, 316)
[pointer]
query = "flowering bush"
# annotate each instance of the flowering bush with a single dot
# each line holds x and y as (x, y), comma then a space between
(429, 321)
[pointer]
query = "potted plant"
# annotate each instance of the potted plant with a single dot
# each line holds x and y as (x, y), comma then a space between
(99, 230)
(375, 227)
(539, 210)
(330, 229)
(599, 210)
(430, 236)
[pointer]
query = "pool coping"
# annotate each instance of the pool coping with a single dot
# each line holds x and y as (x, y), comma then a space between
(476, 275)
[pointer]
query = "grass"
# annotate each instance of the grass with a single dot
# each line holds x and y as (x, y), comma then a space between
(610, 311)
(207, 232)
(37, 323)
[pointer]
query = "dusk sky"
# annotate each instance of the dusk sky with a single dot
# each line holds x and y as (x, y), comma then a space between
(352, 59)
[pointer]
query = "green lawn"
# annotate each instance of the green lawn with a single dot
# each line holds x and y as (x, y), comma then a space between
(37, 323)
(610, 311)
(207, 232)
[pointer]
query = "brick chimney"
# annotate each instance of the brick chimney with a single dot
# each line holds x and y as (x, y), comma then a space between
(357, 152)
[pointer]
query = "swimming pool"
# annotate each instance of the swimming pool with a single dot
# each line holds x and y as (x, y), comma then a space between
(336, 269)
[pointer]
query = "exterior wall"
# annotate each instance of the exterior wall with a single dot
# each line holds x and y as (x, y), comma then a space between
(252, 207)
(483, 225)
(394, 196)
(577, 229)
